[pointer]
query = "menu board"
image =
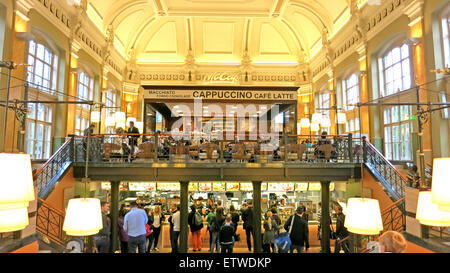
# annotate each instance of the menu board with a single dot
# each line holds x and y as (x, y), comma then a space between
(274, 187)
(247, 186)
(301, 186)
(106, 186)
(232, 186)
(142, 186)
(123, 186)
(218, 186)
(168, 186)
(193, 187)
(263, 186)
(332, 186)
(204, 186)
(314, 187)
(287, 186)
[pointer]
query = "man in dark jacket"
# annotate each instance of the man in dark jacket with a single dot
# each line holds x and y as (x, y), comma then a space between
(247, 217)
(299, 233)
(196, 230)
(341, 232)
(133, 139)
(226, 236)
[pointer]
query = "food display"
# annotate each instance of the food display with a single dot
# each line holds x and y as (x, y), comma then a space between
(142, 186)
(232, 186)
(106, 186)
(204, 186)
(193, 187)
(219, 186)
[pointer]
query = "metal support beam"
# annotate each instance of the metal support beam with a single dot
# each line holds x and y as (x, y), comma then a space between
(257, 238)
(325, 218)
(184, 211)
(114, 215)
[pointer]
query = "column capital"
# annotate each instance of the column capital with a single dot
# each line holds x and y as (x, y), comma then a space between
(361, 49)
(75, 46)
(414, 9)
(24, 7)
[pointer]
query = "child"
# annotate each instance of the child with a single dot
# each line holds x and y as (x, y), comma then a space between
(283, 241)
(226, 236)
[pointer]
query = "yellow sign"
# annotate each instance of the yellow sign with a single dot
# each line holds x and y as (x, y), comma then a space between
(193, 187)
(168, 186)
(232, 186)
(106, 186)
(301, 186)
(204, 186)
(142, 186)
(246, 187)
(218, 186)
(221, 94)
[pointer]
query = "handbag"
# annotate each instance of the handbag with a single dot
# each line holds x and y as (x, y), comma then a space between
(333, 235)
(148, 230)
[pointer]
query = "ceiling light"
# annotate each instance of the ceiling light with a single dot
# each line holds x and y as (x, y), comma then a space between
(440, 186)
(304, 123)
(429, 213)
(83, 217)
(316, 118)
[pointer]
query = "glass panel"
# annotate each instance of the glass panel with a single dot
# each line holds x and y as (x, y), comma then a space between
(38, 150)
(39, 68)
(396, 55)
(32, 47)
(77, 123)
(40, 51)
(48, 133)
(40, 131)
(48, 56)
(49, 115)
(32, 110)
(388, 59)
(30, 148)
(41, 112)
(405, 51)
(30, 129)
(395, 114)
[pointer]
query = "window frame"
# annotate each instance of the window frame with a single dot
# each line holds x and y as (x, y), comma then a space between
(82, 116)
(445, 50)
(47, 138)
(346, 90)
(389, 143)
(53, 67)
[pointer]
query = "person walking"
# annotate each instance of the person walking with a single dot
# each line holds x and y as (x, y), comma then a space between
(297, 227)
(195, 221)
(216, 225)
(134, 224)
(226, 236)
(123, 235)
(176, 229)
(247, 217)
(209, 218)
(156, 220)
(149, 237)
(102, 239)
(270, 230)
(341, 232)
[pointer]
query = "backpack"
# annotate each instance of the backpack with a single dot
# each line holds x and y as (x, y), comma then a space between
(198, 219)
(283, 242)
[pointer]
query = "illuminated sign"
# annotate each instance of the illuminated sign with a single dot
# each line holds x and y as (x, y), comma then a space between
(142, 186)
(301, 186)
(218, 186)
(204, 186)
(232, 186)
(221, 95)
(193, 187)
(106, 186)
(246, 187)
(168, 186)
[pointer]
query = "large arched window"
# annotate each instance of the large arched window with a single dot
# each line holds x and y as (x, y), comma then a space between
(445, 40)
(85, 92)
(42, 71)
(350, 92)
(395, 70)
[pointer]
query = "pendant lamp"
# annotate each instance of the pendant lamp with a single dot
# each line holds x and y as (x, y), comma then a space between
(95, 117)
(341, 118)
(83, 217)
(429, 213)
(326, 122)
(304, 123)
(363, 216)
(120, 117)
(17, 190)
(440, 188)
(316, 118)
(110, 121)
(315, 127)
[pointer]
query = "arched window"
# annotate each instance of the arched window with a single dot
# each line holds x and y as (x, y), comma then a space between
(42, 71)
(350, 92)
(397, 133)
(395, 70)
(445, 40)
(85, 92)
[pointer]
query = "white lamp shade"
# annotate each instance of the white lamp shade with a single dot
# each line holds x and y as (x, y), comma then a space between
(95, 117)
(16, 185)
(120, 117)
(13, 219)
(131, 119)
(326, 122)
(440, 187)
(110, 121)
(341, 118)
(304, 123)
(83, 217)
(315, 127)
(363, 216)
(429, 213)
(140, 126)
(316, 118)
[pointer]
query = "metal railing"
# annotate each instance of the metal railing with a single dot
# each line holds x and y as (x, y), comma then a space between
(44, 178)
(181, 148)
(49, 222)
(394, 217)
(379, 164)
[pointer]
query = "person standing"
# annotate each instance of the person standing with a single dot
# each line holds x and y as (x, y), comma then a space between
(123, 235)
(156, 220)
(209, 218)
(226, 236)
(133, 139)
(341, 232)
(247, 217)
(297, 227)
(234, 218)
(87, 133)
(196, 228)
(275, 216)
(102, 240)
(270, 229)
(134, 224)
(216, 225)
(176, 229)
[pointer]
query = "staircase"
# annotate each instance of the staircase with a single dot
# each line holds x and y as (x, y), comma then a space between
(394, 184)
(49, 220)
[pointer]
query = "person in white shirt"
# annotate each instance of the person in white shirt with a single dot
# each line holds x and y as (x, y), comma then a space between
(176, 229)
(134, 224)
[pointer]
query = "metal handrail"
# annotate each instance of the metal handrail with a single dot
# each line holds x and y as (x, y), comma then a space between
(49, 222)
(52, 157)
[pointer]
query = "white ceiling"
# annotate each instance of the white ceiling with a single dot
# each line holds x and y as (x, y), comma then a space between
(219, 30)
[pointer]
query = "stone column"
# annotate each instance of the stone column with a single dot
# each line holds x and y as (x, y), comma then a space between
(184, 211)
(325, 217)
(114, 215)
(257, 238)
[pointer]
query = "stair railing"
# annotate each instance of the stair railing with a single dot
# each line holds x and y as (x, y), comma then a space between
(377, 162)
(394, 216)
(49, 222)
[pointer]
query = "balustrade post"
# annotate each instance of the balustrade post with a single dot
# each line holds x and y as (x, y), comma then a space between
(72, 148)
(350, 147)
(365, 152)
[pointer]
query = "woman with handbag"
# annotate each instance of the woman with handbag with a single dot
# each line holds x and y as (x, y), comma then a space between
(156, 220)
(270, 229)
(148, 229)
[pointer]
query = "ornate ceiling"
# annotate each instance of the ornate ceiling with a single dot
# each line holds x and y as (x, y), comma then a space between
(219, 31)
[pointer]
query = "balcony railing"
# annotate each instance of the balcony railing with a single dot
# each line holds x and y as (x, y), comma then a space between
(50, 222)
(180, 148)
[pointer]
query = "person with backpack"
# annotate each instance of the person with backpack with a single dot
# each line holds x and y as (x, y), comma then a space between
(195, 221)
(209, 218)
(283, 241)
(298, 231)
(216, 224)
(226, 236)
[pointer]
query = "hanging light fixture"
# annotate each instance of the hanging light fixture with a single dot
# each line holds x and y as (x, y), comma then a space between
(315, 127)
(429, 213)
(95, 117)
(17, 190)
(316, 118)
(110, 121)
(83, 217)
(440, 187)
(304, 123)
(341, 118)
(363, 216)
(326, 122)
